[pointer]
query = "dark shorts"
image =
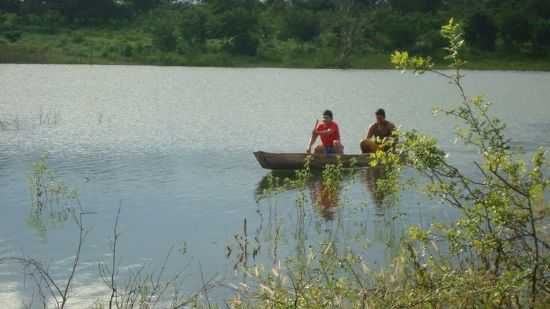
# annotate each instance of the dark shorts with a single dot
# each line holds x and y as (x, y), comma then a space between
(329, 150)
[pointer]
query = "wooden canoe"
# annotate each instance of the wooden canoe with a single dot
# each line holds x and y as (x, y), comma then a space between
(294, 161)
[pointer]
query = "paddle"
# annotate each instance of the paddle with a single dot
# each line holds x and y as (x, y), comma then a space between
(312, 135)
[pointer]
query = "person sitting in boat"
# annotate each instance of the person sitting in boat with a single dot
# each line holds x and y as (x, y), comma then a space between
(330, 136)
(379, 135)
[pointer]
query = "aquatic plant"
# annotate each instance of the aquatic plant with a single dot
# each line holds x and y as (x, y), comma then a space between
(53, 204)
(495, 255)
(52, 201)
(10, 123)
(146, 287)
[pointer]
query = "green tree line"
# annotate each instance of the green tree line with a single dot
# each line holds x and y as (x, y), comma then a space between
(336, 31)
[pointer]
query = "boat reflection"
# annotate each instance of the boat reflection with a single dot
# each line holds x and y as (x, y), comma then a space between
(370, 178)
(326, 196)
(354, 211)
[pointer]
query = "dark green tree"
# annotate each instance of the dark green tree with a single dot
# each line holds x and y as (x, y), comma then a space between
(538, 8)
(316, 5)
(164, 36)
(239, 26)
(194, 26)
(221, 6)
(542, 35)
(145, 5)
(303, 25)
(85, 10)
(481, 31)
(416, 5)
(515, 29)
(400, 33)
(10, 6)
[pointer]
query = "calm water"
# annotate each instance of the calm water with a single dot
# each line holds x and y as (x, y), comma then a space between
(174, 147)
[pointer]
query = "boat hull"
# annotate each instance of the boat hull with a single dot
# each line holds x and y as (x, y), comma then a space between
(294, 161)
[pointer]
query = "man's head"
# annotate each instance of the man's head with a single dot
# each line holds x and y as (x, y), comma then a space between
(327, 116)
(380, 115)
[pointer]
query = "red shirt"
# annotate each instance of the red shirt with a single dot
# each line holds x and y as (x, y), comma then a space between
(328, 140)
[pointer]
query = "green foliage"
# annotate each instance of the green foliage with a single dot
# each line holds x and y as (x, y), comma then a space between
(8, 27)
(481, 31)
(303, 25)
(12, 36)
(52, 202)
(542, 34)
(11, 6)
(416, 5)
(194, 27)
(145, 5)
(9, 21)
(496, 254)
(164, 36)
(516, 29)
(400, 33)
(503, 233)
(307, 33)
(404, 62)
(297, 181)
(237, 28)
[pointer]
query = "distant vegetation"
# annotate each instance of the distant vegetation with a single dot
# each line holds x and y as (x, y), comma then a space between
(299, 33)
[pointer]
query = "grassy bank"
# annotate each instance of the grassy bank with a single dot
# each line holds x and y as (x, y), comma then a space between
(107, 46)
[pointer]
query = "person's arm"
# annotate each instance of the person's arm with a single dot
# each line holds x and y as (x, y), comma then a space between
(312, 140)
(370, 132)
(328, 131)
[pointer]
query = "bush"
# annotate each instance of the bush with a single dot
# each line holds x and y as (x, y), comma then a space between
(243, 44)
(9, 21)
(13, 36)
(47, 22)
(494, 255)
(127, 50)
(164, 37)
(78, 38)
(270, 50)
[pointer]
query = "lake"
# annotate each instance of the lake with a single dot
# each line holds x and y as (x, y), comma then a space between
(173, 148)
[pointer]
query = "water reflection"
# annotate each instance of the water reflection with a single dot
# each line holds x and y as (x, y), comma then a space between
(370, 179)
(326, 197)
(328, 216)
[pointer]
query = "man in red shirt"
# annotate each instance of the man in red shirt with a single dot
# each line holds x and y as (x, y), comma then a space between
(330, 136)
